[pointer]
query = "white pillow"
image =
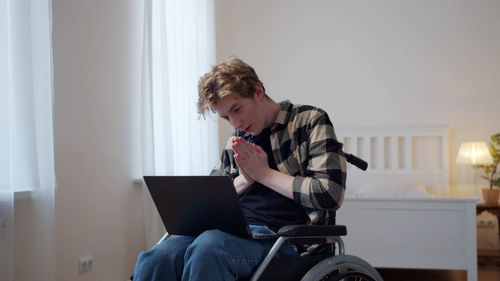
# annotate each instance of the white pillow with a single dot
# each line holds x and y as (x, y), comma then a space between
(393, 187)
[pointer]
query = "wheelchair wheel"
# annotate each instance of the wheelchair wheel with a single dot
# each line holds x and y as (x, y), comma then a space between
(350, 276)
(343, 267)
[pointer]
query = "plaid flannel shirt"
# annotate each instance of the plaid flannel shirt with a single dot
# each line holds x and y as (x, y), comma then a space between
(304, 145)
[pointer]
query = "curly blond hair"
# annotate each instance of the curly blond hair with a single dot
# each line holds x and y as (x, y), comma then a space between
(231, 77)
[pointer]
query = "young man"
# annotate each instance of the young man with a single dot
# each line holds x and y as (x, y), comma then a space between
(287, 167)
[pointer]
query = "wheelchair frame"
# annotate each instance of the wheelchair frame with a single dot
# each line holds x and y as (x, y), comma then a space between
(331, 267)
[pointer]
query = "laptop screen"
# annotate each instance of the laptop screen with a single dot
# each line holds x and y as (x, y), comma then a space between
(189, 205)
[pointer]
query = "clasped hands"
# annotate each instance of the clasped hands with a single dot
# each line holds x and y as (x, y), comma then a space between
(251, 160)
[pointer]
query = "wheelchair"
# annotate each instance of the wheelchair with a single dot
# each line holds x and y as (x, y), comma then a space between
(322, 263)
(322, 256)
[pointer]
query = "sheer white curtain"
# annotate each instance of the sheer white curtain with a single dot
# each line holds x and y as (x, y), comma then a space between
(26, 138)
(179, 47)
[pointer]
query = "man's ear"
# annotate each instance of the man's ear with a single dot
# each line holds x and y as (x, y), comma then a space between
(258, 91)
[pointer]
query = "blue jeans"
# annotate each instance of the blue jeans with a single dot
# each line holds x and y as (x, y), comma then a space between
(212, 256)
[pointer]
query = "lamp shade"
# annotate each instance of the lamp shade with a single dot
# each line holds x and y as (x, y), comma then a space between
(475, 153)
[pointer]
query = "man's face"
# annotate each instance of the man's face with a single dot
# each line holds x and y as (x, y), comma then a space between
(241, 113)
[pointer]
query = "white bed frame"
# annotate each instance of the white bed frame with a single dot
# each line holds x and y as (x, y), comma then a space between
(415, 233)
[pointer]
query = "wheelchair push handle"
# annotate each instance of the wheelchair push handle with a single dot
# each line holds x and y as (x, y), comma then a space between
(356, 161)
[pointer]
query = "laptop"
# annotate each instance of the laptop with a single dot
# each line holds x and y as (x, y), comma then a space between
(189, 205)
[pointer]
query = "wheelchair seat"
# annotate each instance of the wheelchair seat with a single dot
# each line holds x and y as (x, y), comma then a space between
(293, 268)
(322, 265)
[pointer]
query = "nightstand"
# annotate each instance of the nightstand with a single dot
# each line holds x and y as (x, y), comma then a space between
(488, 256)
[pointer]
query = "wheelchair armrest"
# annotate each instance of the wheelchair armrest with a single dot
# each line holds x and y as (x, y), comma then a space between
(312, 230)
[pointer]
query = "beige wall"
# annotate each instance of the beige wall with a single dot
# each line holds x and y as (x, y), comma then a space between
(376, 63)
(97, 53)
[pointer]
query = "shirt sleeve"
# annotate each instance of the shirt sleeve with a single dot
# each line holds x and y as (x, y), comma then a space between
(227, 165)
(324, 184)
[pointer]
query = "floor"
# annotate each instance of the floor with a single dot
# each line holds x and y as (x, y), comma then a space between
(485, 273)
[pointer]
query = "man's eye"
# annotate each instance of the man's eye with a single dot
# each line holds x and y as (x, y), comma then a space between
(237, 109)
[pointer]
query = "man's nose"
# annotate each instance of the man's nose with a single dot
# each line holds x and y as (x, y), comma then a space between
(236, 123)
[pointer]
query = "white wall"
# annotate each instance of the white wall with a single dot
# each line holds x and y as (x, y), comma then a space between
(97, 53)
(368, 63)
(376, 63)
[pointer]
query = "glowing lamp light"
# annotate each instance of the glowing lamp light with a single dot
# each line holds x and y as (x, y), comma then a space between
(475, 153)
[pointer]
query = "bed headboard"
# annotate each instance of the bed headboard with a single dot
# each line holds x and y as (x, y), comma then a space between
(421, 153)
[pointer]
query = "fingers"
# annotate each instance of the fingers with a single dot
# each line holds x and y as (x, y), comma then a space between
(258, 148)
(250, 158)
(244, 149)
(233, 145)
(238, 158)
(240, 145)
(241, 153)
(241, 167)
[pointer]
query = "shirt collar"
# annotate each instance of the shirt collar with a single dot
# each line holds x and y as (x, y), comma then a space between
(283, 114)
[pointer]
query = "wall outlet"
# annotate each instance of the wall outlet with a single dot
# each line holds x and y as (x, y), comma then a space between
(85, 264)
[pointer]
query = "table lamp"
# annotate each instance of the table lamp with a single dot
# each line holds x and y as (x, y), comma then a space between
(474, 153)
